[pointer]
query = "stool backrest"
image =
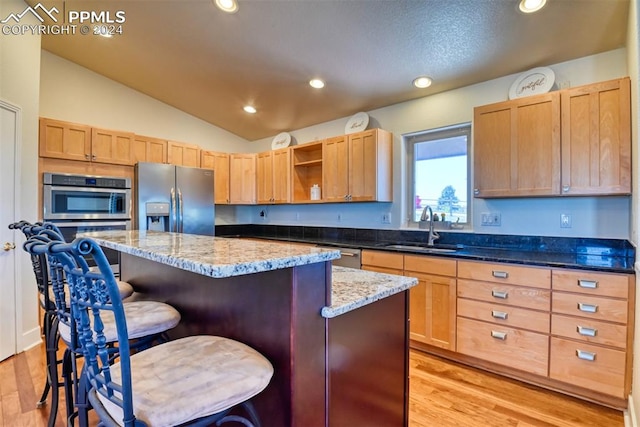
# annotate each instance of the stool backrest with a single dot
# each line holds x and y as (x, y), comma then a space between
(93, 292)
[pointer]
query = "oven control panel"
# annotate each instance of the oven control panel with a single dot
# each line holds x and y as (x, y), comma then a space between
(86, 181)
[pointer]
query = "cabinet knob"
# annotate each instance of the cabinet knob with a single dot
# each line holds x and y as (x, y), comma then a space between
(565, 188)
(476, 192)
(86, 156)
(93, 157)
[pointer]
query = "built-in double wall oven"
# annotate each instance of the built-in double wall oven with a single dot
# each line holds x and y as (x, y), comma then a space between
(81, 203)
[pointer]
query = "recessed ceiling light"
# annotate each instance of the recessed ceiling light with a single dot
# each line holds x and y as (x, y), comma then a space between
(249, 109)
(422, 82)
(229, 6)
(316, 83)
(530, 6)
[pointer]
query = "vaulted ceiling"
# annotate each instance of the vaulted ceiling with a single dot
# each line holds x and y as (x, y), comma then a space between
(191, 55)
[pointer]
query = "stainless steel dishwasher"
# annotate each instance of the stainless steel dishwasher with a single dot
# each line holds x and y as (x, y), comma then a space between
(349, 257)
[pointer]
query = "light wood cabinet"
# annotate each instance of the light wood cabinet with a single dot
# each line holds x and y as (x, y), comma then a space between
(219, 163)
(383, 262)
(592, 330)
(149, 149)
(273, 176)
(64, 140)
(433, 300)
(306, 170)
(181, 154)
(571, 142)
(358, 167)
(242, 179)
(596, 139)
(517, 147)
(70, 141)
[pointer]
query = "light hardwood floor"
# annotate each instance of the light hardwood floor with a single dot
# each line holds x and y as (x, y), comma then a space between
(442, 394)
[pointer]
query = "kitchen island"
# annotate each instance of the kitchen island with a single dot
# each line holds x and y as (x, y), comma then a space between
(338, 339)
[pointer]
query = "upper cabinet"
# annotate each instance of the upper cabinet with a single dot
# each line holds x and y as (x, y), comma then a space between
(242, 179)
(181, 154)
(358, 167)
(70, 141)
(517, 147)
(273, 176)
(596, 139)
(571, 142)
(306, 170)
(148, 149)
(219, 163)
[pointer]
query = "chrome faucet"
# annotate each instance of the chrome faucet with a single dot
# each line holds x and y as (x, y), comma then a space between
(433, 235)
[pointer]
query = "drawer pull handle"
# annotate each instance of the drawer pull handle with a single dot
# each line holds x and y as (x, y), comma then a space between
(500, 294)
(499, 335)
(500, 274)
(587, 308)
(587, 332)
(499, 314)
(586, 355)
(588, 284)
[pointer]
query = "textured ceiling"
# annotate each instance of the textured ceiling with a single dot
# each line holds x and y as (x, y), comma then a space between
(194, 57)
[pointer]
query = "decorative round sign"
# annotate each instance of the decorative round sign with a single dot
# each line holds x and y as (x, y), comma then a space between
(533, 82)
(357, 123)
(281, 140)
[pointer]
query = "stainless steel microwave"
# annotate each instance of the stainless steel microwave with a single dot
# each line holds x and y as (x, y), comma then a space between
(83, 197)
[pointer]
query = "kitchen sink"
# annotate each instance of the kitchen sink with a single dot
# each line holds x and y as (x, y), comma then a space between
(425, 248)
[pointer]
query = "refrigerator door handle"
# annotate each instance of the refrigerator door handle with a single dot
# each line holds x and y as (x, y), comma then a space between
(181, 212)
(173, 221)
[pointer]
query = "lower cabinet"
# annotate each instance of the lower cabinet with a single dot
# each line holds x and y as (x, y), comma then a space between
(568, 330)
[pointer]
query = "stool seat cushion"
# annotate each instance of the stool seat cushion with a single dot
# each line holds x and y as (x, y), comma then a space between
(190, 378)
(125, 289)
(144, 318)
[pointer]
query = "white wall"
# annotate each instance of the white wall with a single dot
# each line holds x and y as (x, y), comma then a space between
(19, 78)
(591, 217)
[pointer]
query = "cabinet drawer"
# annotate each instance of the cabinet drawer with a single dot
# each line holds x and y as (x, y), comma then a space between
(527, 351)
(602, 284)
(589, 366)
(504, 315)
(533, 298)
(505, 273)
(430, 265)
(383, 259)
(589, 330)
(599, 308)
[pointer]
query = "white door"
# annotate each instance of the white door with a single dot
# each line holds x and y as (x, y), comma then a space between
(10, 126)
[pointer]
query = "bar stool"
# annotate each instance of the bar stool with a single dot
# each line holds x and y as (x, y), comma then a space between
(150, 321)
(199, 379)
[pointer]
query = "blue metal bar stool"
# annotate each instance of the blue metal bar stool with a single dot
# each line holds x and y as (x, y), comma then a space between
(196, 380)
(150, 320)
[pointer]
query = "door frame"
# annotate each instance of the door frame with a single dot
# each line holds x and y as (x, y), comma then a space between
(10, 290)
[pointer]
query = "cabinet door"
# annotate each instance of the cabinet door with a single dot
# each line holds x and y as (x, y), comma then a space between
(596, 139)
(433, 310)
(242, 173)
(335, 167)
(180, 154)
(219, 162)
(264, 177)
(517, 147)
(63, 140)
(370, 166)
(114, 147)
(148, 149)
(281, 175)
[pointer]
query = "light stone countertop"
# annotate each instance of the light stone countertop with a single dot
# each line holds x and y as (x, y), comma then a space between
(211, 256)
(352, 288)
(220, 257)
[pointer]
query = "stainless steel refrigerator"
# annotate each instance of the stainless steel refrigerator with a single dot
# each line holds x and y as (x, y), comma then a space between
(174, 198)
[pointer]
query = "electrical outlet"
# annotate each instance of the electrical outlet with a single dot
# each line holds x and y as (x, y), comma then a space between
(565, 221)
(297, 216)
(339, 217)
(491, 219)
(386, 218)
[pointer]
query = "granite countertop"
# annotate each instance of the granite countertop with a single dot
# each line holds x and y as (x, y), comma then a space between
(351, 289)
(211, 256)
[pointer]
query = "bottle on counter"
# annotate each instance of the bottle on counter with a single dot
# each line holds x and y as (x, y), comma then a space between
(435, 217)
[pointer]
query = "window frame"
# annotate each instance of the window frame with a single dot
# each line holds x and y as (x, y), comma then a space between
(413, 138)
